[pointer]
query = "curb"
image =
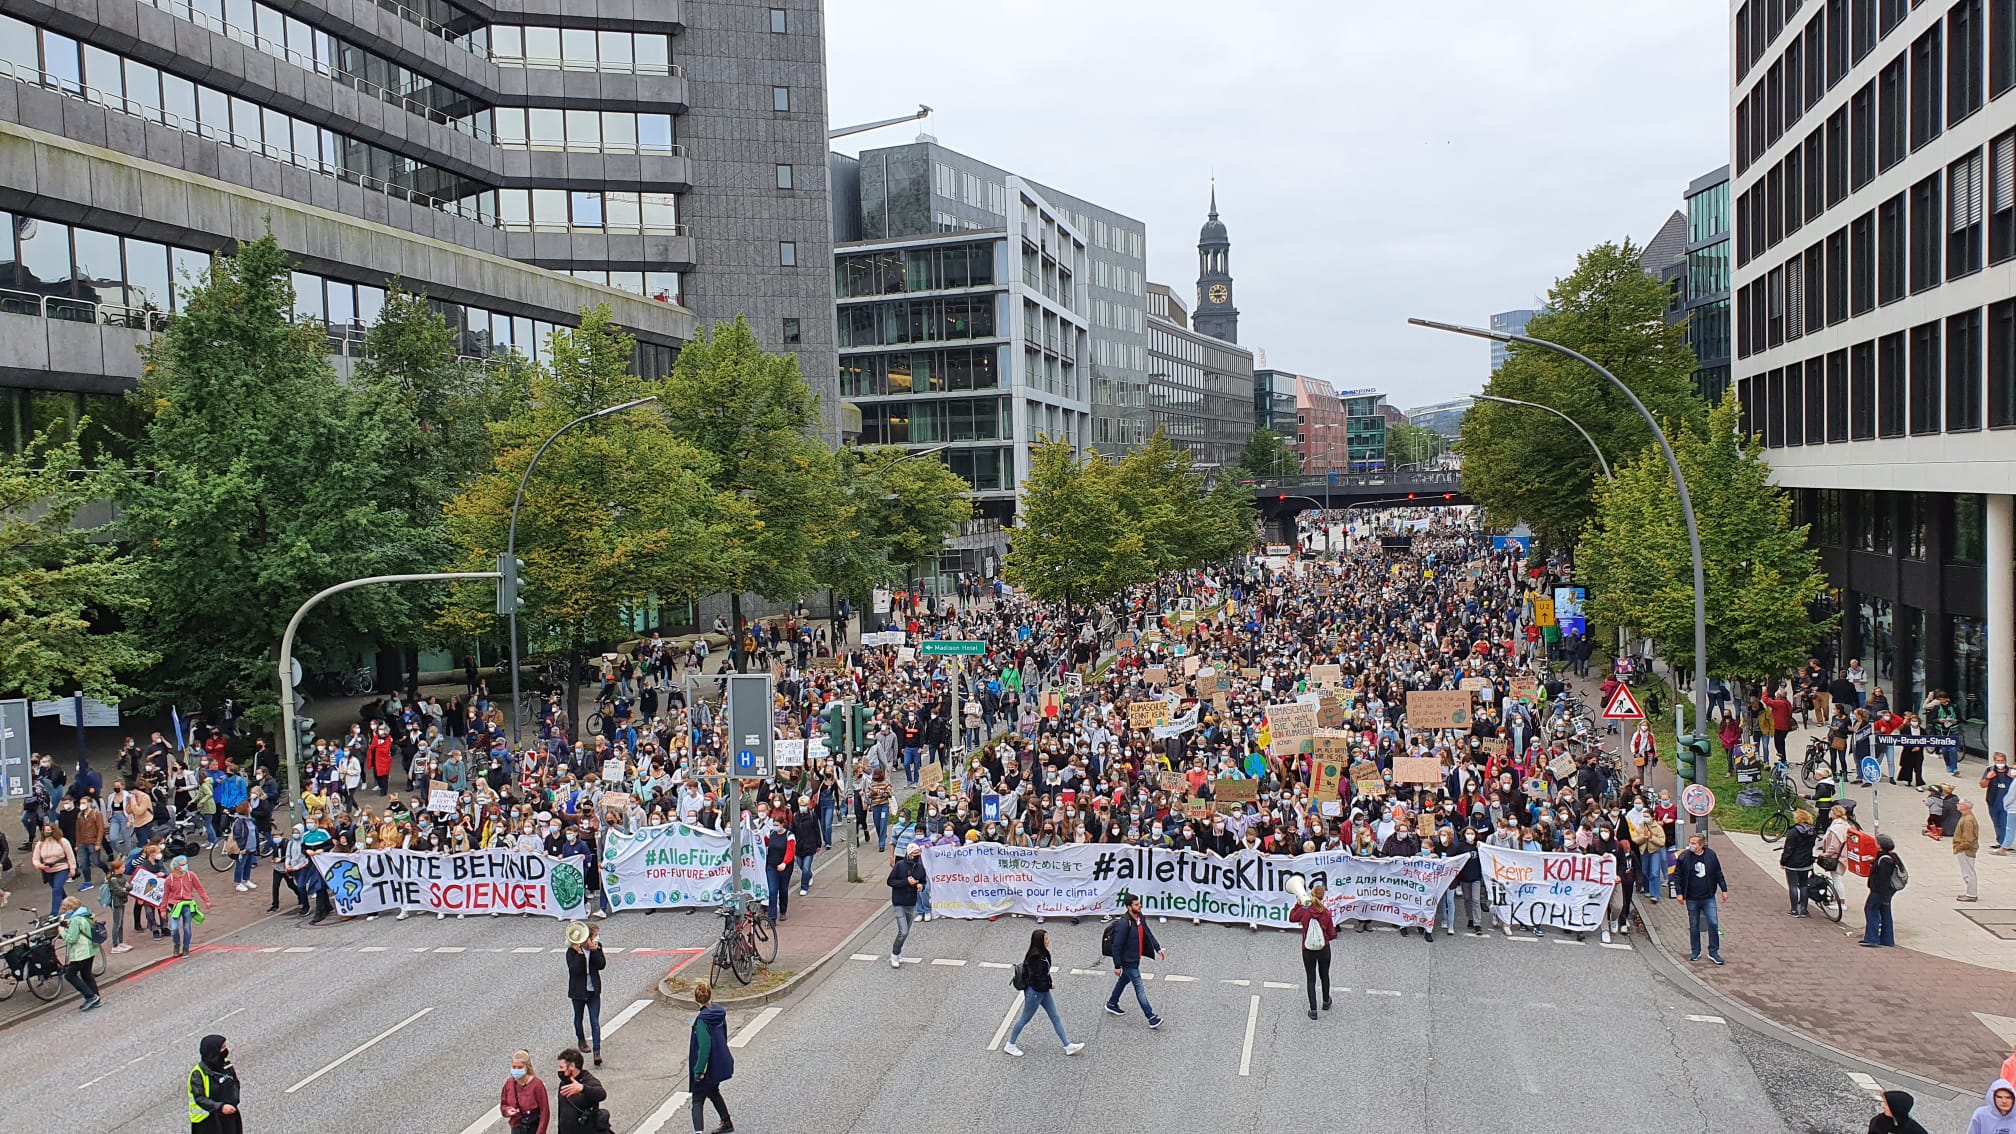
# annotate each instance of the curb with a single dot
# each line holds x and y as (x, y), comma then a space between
(130, 974)
(1739, 1012)
(757, 1000)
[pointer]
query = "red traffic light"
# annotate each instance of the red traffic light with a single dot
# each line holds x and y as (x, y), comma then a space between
(1448, 496)
(1410, 496)
(1281, 499)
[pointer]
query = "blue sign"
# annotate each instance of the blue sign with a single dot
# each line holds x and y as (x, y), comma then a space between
(990, 809)
(1568, 610)
(1501, 542)
(745, 759)
(1871, 770)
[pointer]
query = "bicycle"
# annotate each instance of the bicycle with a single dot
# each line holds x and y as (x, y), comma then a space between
(1821, 891)
(30, 958)
(1782, 796)
(745, 935)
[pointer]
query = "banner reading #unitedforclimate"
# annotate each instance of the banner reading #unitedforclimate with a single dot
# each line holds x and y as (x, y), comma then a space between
(985, 879)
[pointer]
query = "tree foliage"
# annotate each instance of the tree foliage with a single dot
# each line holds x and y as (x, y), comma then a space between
(63, 583)
(1761, 574)
(1522, 464)
(269, 482)
(1071, 543)
(896, 511)
(1409, 444)
(1268, 454)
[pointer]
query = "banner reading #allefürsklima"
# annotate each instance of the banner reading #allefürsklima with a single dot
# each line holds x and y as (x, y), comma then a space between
(985, 879)
(474, 882)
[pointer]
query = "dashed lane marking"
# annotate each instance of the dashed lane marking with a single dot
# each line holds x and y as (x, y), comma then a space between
(451, 949)
(1275, 984)
(996, 965)
(1240, 983)
(529, 949)
(371, 949)
(1246, 1048)
(1382, 992)
(1181, 979)
(659, 1117)
(948, 962)
(1708, 1019)
(1615, 944)
(864, 957)
(299, 949)
(625, 1016)
(358, 1050)
(754, 1027)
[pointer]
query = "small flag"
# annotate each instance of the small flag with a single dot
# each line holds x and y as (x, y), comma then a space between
(175, 718)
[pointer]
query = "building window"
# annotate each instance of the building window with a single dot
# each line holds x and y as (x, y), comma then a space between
(1968, 535)
(1862, 136)
(1892, 115)
(1963, 216)
(1925, 235)
(1837, 396)
(1793, 409)
(787, 253)
(1864, 33)
(1963, 372)
(1817, 394)
(2002, 197)
(2002, 364)
(1794, 214)
(1862, 390)
(783, 176)
(1966, 65)
(1927, 121)
(1837, 157)
(791, 332)
(780, 98)
(1890, 385)
(1890, 250)
(1862, 264)
(1816, 288)
(777, 24)
(2001, 46)
(1925, 378)
(1911, 525)
(1837, 276)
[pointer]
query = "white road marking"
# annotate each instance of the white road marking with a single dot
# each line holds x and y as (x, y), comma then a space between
(423, 949)
(995, 965)
(1086, 972)
(450, 949)
(358, 1050)
(948, 962)
(658, 1118)
(1276, 984)
(556, 950)
(1246, 1048)
(118, 1069)
(751, 1029)
(299, 949)
(1510, 936)
(864, 957)
(913, 960)
(1615, 944)
(1566, 941)
(1382, 992)
(228, 1015)
(371, 948)
(529, 949)
(625, 1016)
(1181, 979)
(1708, 1019)
(1240, 983)
(1001, 1032)
(611, 952)
(270, 949)
(1866, 1082)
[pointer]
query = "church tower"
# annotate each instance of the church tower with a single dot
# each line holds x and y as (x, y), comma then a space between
(1215, 315)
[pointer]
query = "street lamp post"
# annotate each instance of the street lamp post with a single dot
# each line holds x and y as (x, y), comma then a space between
(1563, 417)
(511, 541)
(1686, 511)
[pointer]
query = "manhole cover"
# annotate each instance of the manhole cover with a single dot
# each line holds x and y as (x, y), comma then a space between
(2001, 923)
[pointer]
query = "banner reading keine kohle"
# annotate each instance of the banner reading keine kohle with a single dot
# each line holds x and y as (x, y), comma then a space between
(985, 879)
(1535, 888)
(474, 882)
(676, 865)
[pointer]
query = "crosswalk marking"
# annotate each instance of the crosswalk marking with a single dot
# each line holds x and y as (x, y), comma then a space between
(1866, 1082)
(371, 949)
(948, 962)
(864, 957)
(1181, 979)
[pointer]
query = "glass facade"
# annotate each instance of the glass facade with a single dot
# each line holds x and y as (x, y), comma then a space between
(1708, 216)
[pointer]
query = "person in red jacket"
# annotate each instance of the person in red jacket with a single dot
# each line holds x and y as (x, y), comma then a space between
(1313, 919)
(1781, 719)
(380, 757)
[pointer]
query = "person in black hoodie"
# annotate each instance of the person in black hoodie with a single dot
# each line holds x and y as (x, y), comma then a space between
(581, 1096)
(213, 1090)
(1471, 881)
(1796, 859)
(1895, 1117)
(805, 828)
(585, 963)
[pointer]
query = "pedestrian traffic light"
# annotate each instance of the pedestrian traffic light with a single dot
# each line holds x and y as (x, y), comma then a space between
(509, 601)
(1693, 751)
(836, 727)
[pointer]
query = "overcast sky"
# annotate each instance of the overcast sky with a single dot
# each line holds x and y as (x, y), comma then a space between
(1374, 160)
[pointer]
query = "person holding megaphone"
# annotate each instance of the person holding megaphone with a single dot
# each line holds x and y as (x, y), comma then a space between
(1318, 930)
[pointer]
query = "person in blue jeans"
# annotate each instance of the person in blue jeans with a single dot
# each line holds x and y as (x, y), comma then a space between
(1699, 874)
(1132, 940)
(1037, 993)
(246, 834)
(780, 852)
(1879, 929)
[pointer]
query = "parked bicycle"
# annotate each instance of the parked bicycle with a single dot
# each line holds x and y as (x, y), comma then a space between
(30, 958)
(746, 938)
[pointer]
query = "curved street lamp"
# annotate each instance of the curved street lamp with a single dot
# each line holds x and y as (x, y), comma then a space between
(1563, 417)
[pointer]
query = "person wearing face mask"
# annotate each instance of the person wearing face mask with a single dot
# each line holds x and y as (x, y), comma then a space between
(213, 1090)
(524, 1102)
(1619, 847)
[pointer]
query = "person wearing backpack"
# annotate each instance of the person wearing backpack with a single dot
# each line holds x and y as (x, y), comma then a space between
(1033, 979)
(80, 935)
(1127, 941)
(1886, 876)
(1318, 929)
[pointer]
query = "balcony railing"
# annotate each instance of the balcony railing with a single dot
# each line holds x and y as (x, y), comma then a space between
(16, 302)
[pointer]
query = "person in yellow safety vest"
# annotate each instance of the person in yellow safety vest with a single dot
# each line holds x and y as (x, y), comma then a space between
(213, 1091)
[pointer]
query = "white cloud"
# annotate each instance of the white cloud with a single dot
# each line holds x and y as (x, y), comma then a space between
(1374, 161)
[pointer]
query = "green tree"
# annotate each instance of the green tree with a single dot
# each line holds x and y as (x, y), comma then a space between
(1522, 464)
(1159, 500)
(1268, 454)
(267, 485)
(1760, 572)
(618, 511)
(1071, 541)
(62, 582)
(1229, 505)
(1408, 444)
(897, 512)
(754, 417)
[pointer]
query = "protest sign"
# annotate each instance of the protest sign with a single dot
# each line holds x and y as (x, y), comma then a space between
(474, 882)
(1325, 674)
(1171, 781)
(1326, 772)
(1249, 673)
(1417, 770)
(1207, 682)
(1235, 791)
(1536, 888)
(615, 803)
(1177, 726)
(1147, 714)
(1366, 780)
(612, 770)
(676, 865)
(1439, 708)
(1329, 711)
(1156, 675)
(1290, 747)
(1192, 664)
(148, 888)
(1291, 720)
(1196, 808)
(1525, 689)
(932, 777)
(988, 879)
(1222, 702)
(1562, 766)
(1474, 684)
(443, 800)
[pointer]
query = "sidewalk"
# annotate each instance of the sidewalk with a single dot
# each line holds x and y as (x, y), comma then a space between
(814, 927)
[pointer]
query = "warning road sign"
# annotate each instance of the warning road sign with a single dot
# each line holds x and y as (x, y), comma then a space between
(1623, 706)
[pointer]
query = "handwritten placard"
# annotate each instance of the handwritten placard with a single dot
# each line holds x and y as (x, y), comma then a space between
(1147, 714)
(1325, 674)
(1438, 708)
(1291, 720)
(1417, 770)
(1156, 675)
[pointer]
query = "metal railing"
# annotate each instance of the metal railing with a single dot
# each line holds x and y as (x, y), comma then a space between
(555, 63)
(673, 149)
(460, 39)
(17, 302)
(1428, 480)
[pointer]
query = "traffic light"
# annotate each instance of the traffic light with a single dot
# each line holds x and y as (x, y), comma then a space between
(1410, 496)
(304, 734)
(862, 715)
(509, 601)
(1448, 496)
(1281, 499)
(836, 727)
(1693, 752)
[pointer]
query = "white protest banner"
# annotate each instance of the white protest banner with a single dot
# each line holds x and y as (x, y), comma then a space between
(986, 879)
(794, 753)
(149, 888)
(612, 770)
(474, 882)
(1179, 725)
(443, 800)
(1534, 888)
(676, 865)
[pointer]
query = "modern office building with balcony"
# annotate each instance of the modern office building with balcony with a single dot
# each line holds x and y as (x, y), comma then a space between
(1510, 323)
(516, 163)
(1875, 339)
(1274, 401)
(1200, 387)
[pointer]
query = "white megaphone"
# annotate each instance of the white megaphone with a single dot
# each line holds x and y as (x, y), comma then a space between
(1296, 886)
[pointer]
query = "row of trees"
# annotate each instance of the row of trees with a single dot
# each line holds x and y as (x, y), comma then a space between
(262, 477)
(1088, 529)
(1628, 535)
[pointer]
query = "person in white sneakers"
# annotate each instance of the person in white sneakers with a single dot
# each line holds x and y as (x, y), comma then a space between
(906, 881)
(1033, 978)
(1618, 846)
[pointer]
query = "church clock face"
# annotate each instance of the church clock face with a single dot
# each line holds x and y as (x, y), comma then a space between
(1218, 293)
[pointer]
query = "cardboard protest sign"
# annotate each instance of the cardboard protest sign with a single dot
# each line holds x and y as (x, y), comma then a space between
(1291, 719)
(1156, 675)
(443, 800)
(1525, 689)
(1365, 778)
(1438, 708)
(1424, 826)
(1289, 747)
(1325, 674)
(1330, 711)
(932, 777)
(1562, 766)
(149, 888)
(1171, 781)
(1147, 714)
(615, 802)
(1474, 684)
(1196, 808)
(1250, 673)
(1417, 770)
(1325, 774)
(1192, 664)
(1222, 703)
(1207, 682)
(1236, 791)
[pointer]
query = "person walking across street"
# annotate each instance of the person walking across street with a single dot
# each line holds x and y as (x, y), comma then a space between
(80, 949)
(523, 1102)
(1700, 877)
(585, 963)
(1966, 845)
(1886, 876)
(185, 899)
(581, 1095)
(709, 1060)
(1038, 986)
(213, 1090)
(1127, 942)
(906, 881)
(1318, 930)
